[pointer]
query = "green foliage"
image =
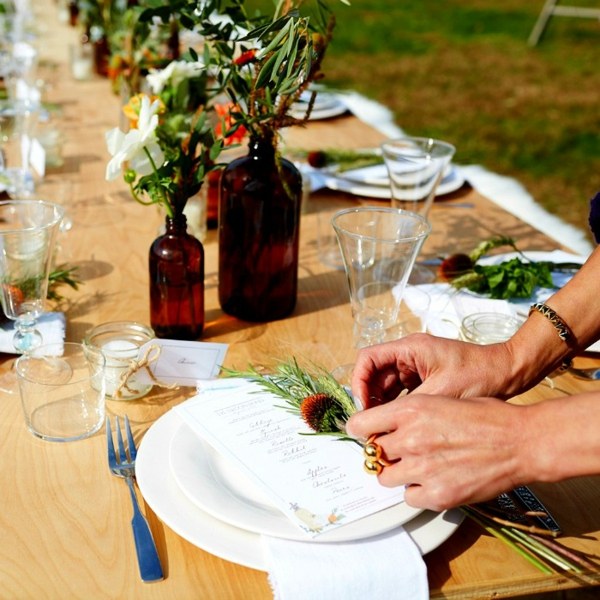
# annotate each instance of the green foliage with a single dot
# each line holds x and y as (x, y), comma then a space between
(513, 278)
(263, 60)
(191, 149)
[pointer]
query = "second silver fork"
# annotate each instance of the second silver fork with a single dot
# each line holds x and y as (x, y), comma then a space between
(123, 465)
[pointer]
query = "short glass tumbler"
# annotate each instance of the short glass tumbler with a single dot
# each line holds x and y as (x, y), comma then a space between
(62, 391)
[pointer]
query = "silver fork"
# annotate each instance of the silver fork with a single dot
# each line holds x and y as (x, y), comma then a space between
(123, 465)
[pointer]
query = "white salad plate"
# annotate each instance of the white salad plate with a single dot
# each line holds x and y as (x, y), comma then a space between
(219, 488)
(162, 493)
(373, 186)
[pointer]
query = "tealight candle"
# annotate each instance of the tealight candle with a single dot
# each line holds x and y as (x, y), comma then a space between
(120, 342)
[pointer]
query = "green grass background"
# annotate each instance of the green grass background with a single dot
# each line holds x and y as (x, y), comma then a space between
(461, 70)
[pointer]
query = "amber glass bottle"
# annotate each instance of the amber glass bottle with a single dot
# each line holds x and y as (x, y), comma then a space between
(176, 264)
(259, 226)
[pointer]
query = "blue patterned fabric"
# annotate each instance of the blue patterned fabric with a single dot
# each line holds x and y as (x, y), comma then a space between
(595, 216)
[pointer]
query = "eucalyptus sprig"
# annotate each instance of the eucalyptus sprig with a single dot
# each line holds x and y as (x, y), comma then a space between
(262, 62)
(314, 394)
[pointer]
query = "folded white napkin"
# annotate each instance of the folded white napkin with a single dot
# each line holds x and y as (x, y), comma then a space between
(51, 325)
(388, 565)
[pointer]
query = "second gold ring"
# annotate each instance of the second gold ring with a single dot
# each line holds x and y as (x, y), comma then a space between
(375, 461)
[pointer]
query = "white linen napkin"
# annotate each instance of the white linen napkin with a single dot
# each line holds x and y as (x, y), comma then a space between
(388, 565)
(51, 325)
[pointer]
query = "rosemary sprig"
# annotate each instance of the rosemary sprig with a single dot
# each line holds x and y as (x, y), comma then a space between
(342, 160)
(62, 275)
(313, 394)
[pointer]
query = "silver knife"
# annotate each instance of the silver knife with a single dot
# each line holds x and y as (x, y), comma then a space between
(533, 503)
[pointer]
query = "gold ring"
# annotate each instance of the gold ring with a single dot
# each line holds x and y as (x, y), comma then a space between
(374, 459)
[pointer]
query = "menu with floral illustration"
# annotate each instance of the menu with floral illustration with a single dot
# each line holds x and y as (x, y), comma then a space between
(318, 481)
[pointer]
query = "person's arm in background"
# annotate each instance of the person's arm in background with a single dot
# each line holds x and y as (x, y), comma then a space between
(426, 364)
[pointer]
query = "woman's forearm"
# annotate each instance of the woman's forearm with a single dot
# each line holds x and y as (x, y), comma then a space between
(563, 438)
(536, 349)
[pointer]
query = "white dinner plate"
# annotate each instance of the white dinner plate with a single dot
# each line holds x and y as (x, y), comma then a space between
(157, 484)
(333, 106)
(220, 489)
(451, 182)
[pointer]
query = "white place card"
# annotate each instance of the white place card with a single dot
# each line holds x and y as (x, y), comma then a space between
(181, 362)
(318, 481)
(37, 157)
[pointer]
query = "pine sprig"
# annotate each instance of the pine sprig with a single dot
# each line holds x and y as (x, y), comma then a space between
(314, 394)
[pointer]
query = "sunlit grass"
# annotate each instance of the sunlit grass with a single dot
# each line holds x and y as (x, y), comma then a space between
(461, 70)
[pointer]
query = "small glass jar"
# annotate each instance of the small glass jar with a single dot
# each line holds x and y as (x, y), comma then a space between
(489, 328)
(120, 342)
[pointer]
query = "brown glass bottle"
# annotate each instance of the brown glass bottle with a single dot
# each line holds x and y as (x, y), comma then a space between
(176, 264)
(259, 225)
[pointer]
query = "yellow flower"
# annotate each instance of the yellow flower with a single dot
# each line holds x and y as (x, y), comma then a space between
(132, 109)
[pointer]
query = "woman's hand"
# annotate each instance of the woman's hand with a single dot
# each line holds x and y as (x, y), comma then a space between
(448, 451)
(426, 364)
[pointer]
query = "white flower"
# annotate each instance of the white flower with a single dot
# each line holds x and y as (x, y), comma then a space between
(173, 74)
(131, 147)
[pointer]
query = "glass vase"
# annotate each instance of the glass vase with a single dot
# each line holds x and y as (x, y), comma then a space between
(176, 264)
(259, 224)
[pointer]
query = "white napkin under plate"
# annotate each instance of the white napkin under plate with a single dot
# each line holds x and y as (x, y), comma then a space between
(388, 565)
(51, 325)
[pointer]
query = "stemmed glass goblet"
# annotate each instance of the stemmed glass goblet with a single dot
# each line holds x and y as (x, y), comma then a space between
(28, 231)
(415, 167)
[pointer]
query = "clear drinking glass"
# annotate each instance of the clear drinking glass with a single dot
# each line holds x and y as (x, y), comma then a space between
(379, 246)
(62, 391)
(18, 120)
(415, 166)
(28, 231)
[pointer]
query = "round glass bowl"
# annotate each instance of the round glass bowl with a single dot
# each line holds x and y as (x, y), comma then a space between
(489, 328)
(120, 342)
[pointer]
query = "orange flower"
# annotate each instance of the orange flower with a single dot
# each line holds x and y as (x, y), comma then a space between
(225, 122)
(245, 57)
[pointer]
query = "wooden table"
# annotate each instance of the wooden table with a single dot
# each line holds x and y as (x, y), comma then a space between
(65, 520)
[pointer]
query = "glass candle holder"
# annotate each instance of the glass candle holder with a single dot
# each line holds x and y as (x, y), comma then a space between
(120, 342)
(489, 328)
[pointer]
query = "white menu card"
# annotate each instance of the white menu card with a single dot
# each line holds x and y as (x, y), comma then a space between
(318, 481)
